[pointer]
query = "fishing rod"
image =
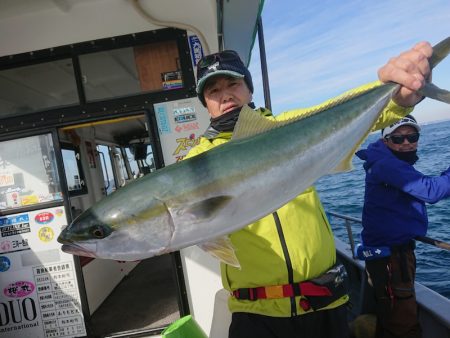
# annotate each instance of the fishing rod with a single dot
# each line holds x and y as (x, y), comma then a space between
(432, 241)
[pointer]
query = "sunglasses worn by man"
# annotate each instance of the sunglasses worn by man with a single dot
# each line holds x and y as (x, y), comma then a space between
(225, 56)
(399, 139)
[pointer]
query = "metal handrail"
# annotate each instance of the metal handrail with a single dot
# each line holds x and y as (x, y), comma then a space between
(348, 225)
(106, 171)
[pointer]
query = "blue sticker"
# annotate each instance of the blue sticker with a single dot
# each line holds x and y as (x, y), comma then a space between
(5, 263)
(196, 49)
(162, 120)
(14, 219)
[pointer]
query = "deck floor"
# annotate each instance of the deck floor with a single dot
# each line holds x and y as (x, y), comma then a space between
(146, 298)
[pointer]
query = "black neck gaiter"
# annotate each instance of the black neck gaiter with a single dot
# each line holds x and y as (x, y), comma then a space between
(407, 156)
(227, 121)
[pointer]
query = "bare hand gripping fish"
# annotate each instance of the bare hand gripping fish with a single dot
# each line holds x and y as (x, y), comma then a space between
(223, 190)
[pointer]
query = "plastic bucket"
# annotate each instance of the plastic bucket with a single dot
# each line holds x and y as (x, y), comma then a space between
(185, 327)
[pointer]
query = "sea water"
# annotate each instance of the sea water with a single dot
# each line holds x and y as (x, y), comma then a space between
(344, 194)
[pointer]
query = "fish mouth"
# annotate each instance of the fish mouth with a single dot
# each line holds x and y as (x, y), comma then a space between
(78, 250)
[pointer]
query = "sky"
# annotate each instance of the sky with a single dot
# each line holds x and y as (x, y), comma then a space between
(316, 50)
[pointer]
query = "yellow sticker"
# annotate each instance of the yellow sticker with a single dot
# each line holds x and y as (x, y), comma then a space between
(30, 199)
(46, 234)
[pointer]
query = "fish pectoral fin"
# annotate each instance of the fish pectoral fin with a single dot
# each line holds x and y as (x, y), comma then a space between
(222, 249)
(344, 166)
(204, 209)
(434, 92)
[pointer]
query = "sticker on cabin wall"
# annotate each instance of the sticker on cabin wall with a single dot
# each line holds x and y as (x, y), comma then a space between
(14, 219)
(187, 127)
(5, 263)
(46, 198)
(5, 246)
(9, 246)
(44, 217)
(162, 119)
(30, 199)
(46, 234)
(196, 49)
(59, 212)
(14, 225)
(184, 114)
(19, 289)
(184, 144)
(58, 300)
(6, 180)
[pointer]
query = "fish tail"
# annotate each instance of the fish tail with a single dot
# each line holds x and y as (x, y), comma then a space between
(440, 52)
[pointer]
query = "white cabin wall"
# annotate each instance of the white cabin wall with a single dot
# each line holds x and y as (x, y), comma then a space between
(203, 282)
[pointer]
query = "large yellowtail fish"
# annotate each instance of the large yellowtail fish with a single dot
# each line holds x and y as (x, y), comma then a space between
(265, 165)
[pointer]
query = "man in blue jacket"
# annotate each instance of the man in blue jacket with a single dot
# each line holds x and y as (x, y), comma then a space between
(394, 214)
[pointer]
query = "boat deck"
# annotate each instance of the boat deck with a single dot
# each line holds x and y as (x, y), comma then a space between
(145, 299)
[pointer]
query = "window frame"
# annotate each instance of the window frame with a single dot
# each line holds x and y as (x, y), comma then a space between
(82, 177)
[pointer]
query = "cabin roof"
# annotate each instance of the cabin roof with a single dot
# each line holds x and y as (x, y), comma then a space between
(30, 25)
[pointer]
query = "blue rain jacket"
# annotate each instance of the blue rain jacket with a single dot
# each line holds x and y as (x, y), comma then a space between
(394, 203)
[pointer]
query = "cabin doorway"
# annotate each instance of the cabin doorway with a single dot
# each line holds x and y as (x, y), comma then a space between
(100, 158)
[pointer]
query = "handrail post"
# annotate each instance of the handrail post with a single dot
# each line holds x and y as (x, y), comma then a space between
(348, 226)
(264, 71)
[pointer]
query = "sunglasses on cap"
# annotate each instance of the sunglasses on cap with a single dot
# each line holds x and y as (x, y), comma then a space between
(399, 139)
(224, 56)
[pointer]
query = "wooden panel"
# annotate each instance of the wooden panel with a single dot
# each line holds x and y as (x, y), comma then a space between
(154, 59)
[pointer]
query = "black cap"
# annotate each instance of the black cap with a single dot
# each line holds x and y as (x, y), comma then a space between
(227, 63)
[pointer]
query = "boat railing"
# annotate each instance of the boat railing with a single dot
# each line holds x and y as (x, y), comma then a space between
(348, 221)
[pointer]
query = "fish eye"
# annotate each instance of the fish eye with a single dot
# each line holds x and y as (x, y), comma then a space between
(100, 232)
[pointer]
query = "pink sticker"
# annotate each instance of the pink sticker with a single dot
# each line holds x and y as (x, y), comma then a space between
(19, 289)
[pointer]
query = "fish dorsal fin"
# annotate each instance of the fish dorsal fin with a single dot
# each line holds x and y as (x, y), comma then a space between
(251, 123)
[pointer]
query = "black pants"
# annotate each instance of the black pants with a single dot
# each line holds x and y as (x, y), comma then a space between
(393, 282)
(319, 324)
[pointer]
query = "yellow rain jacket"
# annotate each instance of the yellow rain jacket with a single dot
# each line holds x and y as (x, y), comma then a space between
(302, 246)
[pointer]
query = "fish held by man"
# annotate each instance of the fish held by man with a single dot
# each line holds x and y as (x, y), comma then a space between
(266, 164)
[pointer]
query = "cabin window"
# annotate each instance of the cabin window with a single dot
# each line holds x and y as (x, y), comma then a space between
(37, 87)
(73, 169)
(28, 172)
(140, 158)
(123, 166)
(131, 71)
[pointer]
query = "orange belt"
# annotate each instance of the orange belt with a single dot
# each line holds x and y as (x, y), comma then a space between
(282, 291)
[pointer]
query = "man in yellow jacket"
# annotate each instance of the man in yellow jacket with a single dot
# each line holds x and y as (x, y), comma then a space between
(287, 259)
